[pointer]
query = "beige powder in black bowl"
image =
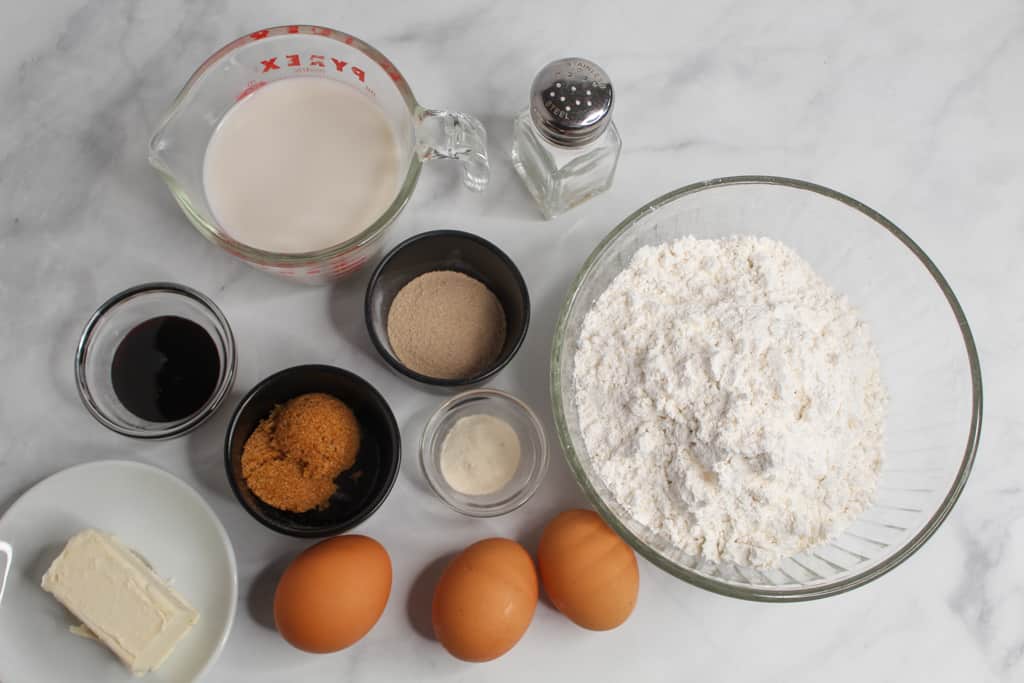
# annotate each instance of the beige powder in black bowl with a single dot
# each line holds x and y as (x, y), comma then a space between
(446, 325)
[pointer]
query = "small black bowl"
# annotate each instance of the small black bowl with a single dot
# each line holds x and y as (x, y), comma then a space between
(448, 250)
(361, 489)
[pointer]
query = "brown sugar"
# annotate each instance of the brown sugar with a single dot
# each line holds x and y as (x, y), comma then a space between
(318, 431)
(446, 324)
(291, 459)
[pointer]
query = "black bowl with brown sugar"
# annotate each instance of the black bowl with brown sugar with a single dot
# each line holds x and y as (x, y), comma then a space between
(312, 451)
(447, 308)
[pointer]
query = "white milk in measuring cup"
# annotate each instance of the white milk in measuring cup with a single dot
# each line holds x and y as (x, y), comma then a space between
(301, 164)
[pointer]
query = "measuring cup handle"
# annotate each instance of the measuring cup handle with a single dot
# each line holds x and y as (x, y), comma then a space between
(8, 553)
(451, 135)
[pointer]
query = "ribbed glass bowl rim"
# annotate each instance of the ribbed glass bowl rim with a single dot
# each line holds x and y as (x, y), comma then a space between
(754, 592)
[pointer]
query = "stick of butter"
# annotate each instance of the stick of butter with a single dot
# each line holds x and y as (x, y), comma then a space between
(119, 599)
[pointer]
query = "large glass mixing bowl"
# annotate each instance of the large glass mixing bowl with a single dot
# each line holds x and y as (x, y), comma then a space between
(929, 366)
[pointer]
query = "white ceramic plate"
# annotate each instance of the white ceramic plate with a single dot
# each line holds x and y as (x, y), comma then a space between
(159, 516)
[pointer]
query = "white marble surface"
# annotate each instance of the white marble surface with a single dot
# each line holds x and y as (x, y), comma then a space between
(914, 107)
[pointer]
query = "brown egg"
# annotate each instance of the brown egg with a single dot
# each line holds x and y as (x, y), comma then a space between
(589, 573)
(333, 593)
(485, 600)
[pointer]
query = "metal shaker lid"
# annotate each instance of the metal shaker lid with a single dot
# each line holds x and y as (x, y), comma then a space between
(571, 102)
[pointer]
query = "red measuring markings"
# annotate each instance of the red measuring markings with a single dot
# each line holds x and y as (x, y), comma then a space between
(250, 89)
(315, 30)
(320, 61)
(340, 266)
(317, 61)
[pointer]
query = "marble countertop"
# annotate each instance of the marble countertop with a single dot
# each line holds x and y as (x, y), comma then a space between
(913, 107)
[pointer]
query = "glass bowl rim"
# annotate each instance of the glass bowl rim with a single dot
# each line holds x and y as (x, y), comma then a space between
(219, 394)
(751, 592)
(542, 455)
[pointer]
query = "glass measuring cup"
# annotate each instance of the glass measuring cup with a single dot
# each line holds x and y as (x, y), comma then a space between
(177, 148)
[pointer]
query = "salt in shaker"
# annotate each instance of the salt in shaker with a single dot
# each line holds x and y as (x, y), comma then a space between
(565, 146)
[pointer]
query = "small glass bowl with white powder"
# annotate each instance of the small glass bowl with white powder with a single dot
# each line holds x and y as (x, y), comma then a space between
(484, 452)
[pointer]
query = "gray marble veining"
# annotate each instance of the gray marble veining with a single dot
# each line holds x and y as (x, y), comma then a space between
(913, 107)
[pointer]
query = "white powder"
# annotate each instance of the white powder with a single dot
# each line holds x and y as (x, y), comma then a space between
(730, 400)
(480, 455)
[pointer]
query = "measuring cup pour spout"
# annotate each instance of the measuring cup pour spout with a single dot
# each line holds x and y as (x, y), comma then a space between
(156, 156)
(8, 555)
(176, 151)
(171, 146)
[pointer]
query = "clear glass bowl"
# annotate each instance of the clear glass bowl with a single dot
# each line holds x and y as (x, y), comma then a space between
(929, 366)
(533, 460)
(118, 316)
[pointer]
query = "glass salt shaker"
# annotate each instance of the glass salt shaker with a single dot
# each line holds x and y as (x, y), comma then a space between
(565, 146)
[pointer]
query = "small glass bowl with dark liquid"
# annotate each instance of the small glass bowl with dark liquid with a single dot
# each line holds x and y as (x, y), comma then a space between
(155, 361)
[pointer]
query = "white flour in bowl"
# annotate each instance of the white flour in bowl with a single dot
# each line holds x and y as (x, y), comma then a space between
(730, 400)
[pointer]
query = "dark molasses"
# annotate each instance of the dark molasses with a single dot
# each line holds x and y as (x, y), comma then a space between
(165, 369)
